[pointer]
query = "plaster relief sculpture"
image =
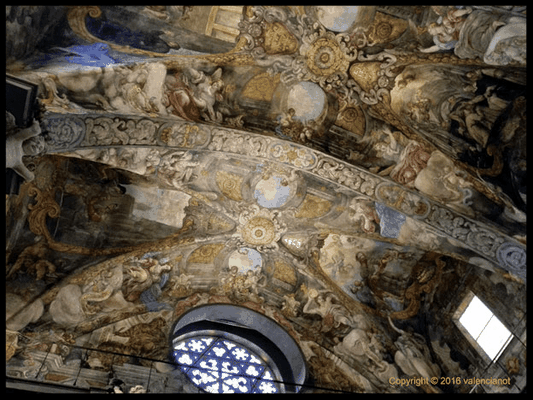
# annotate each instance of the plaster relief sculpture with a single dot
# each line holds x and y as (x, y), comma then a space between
(326, 305)
(193, 94)
(442, 181)
(104, 290)
(242, 287)
(22, 142)
(475, 33)
(290, 306)
(363, 348)
(177, 168)
(446, 31)
(413, 356)
(33, 259)
(363, 213)
(180, 286)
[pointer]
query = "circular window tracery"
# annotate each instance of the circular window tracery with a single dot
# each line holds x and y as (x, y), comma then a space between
(220, 365)
(224, 348)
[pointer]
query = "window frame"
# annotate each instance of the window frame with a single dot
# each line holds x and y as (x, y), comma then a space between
(473, 341)
(238, 340)
(250, 329)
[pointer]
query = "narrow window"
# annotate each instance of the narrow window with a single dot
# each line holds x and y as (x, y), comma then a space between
(485, 328)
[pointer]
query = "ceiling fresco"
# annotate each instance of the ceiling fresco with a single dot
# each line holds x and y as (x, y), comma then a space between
(350, 172)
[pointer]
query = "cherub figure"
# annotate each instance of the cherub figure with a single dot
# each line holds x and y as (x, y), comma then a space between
(22, 142)
(195, 94)
(33, 258)
(446, 31)
(206, 93)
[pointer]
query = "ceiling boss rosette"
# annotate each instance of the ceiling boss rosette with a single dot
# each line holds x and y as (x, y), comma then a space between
(260, 228)
(327, 56)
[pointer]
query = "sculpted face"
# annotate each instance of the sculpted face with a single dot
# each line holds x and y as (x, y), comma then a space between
(33, 146)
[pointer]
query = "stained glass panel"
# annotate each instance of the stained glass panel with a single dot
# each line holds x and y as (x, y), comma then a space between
(219, 365)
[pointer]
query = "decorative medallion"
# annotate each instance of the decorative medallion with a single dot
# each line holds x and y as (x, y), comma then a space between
(259, 231)
(325, 57)
(260, 228)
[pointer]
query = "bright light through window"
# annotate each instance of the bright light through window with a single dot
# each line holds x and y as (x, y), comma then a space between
(485, 328)
(218, 365)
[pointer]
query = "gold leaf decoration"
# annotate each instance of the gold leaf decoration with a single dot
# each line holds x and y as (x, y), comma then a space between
(313, 207)
(230, 185)
(386, 28)
(285, 273)
(205, 254)
(352, 119)
(261, 87)
(278, 40)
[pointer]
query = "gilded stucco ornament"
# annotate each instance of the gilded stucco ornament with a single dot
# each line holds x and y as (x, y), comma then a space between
(325, 57)
(278, 40)
(267, 31)
(205, 254)
(260, 228)
(230, 185)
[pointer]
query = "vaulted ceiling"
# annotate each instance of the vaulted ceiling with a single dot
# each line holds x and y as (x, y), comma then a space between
(338, 169)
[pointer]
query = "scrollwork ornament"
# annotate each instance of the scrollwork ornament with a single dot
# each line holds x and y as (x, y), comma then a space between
(184, 135)
(45, 206)
(259, 228)
(63, 133)
(512, 257)
(483, 240)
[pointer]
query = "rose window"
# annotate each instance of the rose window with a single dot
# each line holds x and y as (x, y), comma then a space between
(222, 348)
(219, 365)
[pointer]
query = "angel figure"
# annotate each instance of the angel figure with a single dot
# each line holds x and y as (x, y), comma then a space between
(178, 168)
(446, 31)
(22, 142)
(195, 94)
(413, 356)
(325, 304)
(206, 93)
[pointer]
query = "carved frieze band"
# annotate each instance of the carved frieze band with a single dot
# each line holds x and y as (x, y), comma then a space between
(74, 132)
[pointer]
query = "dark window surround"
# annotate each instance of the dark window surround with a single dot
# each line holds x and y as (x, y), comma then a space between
(247, 327)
